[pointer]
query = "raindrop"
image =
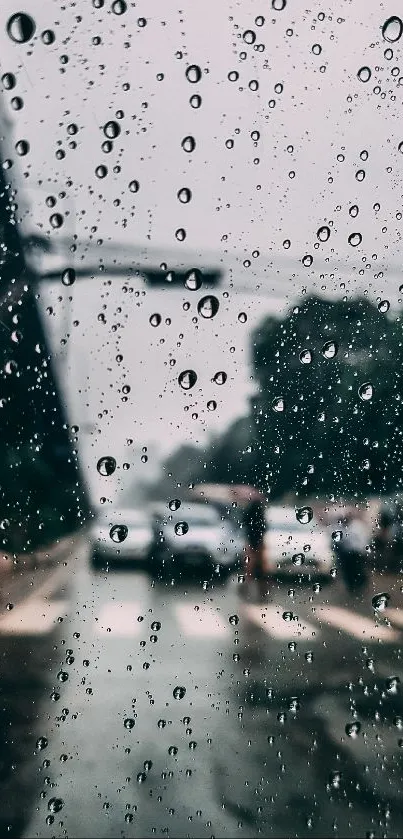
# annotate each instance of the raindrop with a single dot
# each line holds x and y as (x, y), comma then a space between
(55, 805)
(155, 319)
(304, 514)
(305, 357)
(360, 175)
(101, 171)
(56, 220)
(193, 73)
(181, 528)
(220, 378)
(22, 147)
(129, 723)
(188, 144)
(134, 186)
(353, 729)
(278, 5)
(384, 306)
(364, 74)
(249, 36)
(242, 317)
(20, 27)
(48, 37)
(62, 676)
(316, 49)
(233, 619)
(392, 684)
(380, 601)
(193, 280)
(184, 195)
(118, 532)
(278, 404)
(365, 391)
(353, 211)
(17, 103)
(354, 239)
(111, 129)
(174, 504)
(195, 100)
(309, 657)
(179, 692)
(208, 306)
(68, 276)
(9, 81)
(41, 743)
(298, 559)
(119, 7)
(187, 379)
(233, 76)
(323, 233)
(330, 349)
(180, 234)
(307, 260)
(392, 29)
(287, 616)
(211, 405)
(106, 465)
(173, 750)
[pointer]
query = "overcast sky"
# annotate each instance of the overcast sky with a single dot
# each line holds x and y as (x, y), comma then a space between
(315, 118)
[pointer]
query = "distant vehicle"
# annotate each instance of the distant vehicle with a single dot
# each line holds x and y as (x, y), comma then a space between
(194, 537)
(121, 536)
(296, 549)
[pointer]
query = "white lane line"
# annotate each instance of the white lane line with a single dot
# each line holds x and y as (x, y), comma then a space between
(270, 618)
(119, 619)
(198, 620)
(35, 616)
(355, 624)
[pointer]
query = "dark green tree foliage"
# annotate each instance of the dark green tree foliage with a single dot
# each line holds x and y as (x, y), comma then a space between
(329, 440)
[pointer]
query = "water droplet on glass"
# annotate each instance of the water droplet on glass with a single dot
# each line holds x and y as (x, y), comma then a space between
(187, 379)
(316, 49)
(129, 723)
(278, 404)
(330, 349)
(242, 317)
(174, 504)
(392, 684)
(56, 220)
(181, 528)
(211, 405)
(48, 37)
(323, 233)
(354, 239)
(118, 532)
(41, 743)
(360, 174)
(305, 357)
(55, 805)
(9, 80)
(249, 36)
(220, 378)
(380, 601)
(184, 195)
(392, 29)
(304, 514)
(193, 280)
(309, 657)
(384, 306)
(365, 391)
(364, 74)
(111, 129)
(307, 260)
(188, 144)
(233, 619)
(287, 616)
(101, 171)
(298, 559)
(193, 73)
(134, 186)
(337, 535)
(62, 676)
(353, 729)
(278, 5)
(208, 306)
(155, 319)
(119, 7)
(178, 692)
(20, 27)
(195, 100)
(68, 276)
(22, 147)
(106, 465)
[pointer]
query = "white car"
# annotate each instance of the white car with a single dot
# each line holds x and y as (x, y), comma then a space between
(195, 536)
(121, 536)
(296, 549)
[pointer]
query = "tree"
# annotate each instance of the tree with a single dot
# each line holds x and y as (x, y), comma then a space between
(328, 416)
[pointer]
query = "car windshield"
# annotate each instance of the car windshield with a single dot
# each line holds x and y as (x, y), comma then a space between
(201, 417)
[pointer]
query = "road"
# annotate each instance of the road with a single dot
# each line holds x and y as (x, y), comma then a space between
(255, 742)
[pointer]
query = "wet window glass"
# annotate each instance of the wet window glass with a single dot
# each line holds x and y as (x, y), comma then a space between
(201, 419)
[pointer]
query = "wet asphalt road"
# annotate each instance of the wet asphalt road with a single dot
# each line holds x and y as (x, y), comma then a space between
(257, 743)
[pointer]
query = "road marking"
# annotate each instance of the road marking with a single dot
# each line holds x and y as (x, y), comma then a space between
(270, 618)
(35, 616)
(200, 621)
(119, 619)
(355, 624)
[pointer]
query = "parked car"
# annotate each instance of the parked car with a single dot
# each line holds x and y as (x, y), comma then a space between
(194, 537)
(292, 548)
(121, 536)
